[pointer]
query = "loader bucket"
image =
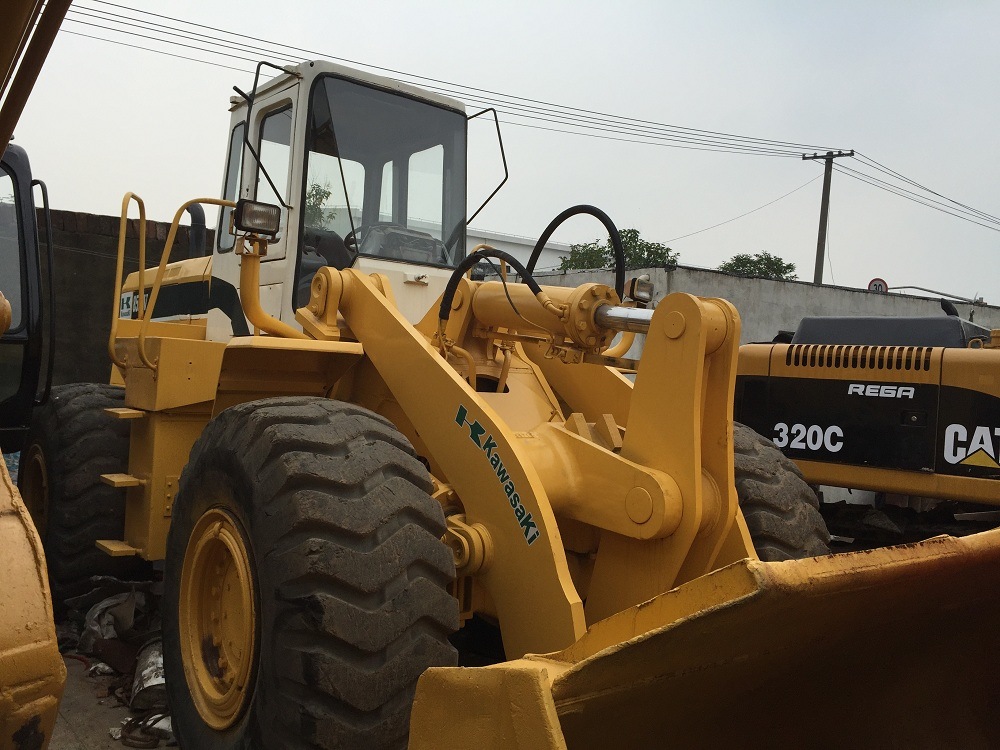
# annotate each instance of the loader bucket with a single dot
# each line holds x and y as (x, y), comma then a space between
(894, 647)
(32, 672)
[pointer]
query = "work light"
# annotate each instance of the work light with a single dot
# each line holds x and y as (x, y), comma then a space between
(258, 218)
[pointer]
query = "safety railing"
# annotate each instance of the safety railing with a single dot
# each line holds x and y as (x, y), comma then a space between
(145, 309)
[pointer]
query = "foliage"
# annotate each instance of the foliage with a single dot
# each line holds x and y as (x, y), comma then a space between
(639, 253)
(316, 213)
(762, 265)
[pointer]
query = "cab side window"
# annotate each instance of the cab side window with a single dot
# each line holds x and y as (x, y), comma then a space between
(275, 156)
(234, 171)
(10, 249)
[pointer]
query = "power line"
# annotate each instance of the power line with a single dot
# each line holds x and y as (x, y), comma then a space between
(972, 213)
(728, 221)
(516, 106)
(518, 111)
(157, 51)
(644, 143)
(882, 168)
(658, 140)
(503, 121)
(453, 86)
(915, 200)
(529, 112)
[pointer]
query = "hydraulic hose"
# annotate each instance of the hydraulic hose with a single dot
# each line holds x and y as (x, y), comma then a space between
(613, 234)
(449, 291)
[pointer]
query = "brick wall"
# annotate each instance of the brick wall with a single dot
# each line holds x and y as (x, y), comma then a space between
(85, 252)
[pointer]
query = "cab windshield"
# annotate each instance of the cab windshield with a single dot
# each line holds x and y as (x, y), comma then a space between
(385, 176)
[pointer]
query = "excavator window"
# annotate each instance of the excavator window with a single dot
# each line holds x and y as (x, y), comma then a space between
(10, 253)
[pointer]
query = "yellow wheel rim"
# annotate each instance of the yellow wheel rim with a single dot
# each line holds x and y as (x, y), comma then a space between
(217, 619)
(35, 486)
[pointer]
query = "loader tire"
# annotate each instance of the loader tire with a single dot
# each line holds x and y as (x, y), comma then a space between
(72, 441)
(306, 584)
(781, 510)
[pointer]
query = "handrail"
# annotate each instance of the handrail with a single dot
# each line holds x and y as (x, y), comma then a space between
(147, 313)
(116, 304)
(51, 295)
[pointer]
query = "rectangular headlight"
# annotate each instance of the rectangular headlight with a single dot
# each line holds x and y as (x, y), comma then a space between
(259, 218)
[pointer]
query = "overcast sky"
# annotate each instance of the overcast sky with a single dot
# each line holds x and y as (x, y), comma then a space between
(910, 84)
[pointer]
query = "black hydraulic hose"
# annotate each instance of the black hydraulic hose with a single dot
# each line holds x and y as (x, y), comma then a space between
(449, 291)
(616, 241)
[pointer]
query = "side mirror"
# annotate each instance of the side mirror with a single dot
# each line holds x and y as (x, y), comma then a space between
(640, 290)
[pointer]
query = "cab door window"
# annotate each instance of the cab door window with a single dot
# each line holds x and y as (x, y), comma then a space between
(234, 171)
(275, 156)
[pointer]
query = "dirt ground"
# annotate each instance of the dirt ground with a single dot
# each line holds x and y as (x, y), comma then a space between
(87, 712)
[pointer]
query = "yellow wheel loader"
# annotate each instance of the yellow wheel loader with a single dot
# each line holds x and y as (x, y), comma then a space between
(360, 468)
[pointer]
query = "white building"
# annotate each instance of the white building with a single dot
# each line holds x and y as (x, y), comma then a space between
(519, 247)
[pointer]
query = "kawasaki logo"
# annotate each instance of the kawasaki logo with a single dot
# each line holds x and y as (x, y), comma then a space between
(489, 448)
(978, 450)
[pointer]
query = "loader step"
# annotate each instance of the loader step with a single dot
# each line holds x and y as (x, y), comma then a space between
(117, 548)
(121, 480)
(123, 412)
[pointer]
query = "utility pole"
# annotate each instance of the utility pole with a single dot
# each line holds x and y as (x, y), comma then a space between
(824, 209)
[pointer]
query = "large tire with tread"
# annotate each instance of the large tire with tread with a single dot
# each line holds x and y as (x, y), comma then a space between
(350, 600)
(71, 443)
(781, 510)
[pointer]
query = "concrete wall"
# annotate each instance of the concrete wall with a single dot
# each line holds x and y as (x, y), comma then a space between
(767, 306)
(85, 251)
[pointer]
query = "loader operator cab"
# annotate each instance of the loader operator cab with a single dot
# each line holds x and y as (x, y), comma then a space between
(369, 172)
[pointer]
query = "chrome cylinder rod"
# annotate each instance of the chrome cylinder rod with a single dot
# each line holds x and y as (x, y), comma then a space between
(629, 319)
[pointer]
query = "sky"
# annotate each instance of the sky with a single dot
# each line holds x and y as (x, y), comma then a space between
(909, 84)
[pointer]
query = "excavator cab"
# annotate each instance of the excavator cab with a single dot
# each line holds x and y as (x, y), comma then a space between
(21, 347)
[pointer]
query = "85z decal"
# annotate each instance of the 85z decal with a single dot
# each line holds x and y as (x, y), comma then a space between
(808, 437)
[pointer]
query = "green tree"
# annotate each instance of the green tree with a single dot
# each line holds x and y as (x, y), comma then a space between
(316, 214)
(639, 253)
(761, 265)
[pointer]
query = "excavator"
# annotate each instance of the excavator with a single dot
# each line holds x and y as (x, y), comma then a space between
(32, 673)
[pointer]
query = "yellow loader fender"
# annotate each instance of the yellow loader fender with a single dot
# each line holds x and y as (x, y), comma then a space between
(32, 673)
(893, 647)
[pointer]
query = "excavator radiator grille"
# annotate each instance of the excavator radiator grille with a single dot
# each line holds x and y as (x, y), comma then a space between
(859, 357)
